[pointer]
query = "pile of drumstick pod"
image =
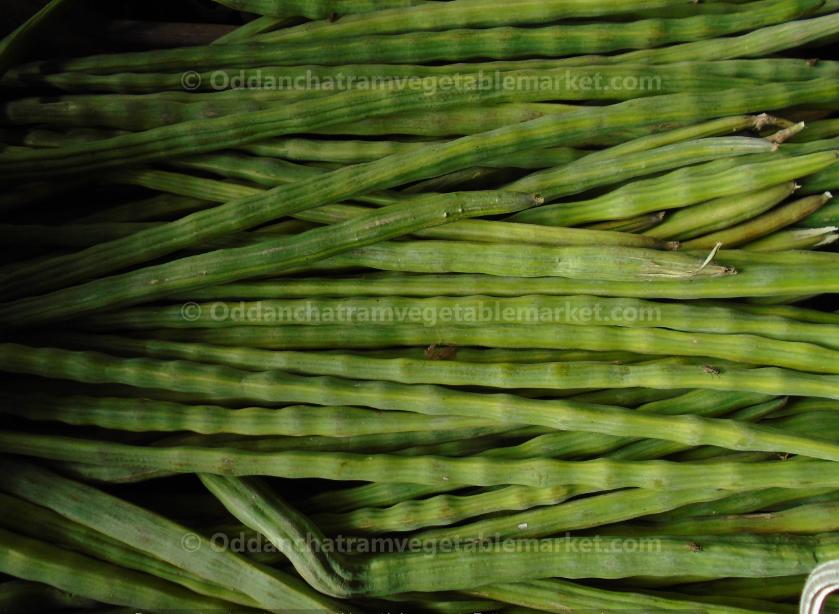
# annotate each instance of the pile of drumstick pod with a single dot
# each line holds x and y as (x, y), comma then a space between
(424, 306)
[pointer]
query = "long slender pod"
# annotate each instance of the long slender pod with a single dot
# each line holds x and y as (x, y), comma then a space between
(484, 311)
(828, 179)
(34, 560)
(783, 587)
(405, 443)
(680, 188)
(358, 151)
(272, 173)
(445, 509)
(264, 511)
(762, 42)
(752, 348)
(601, 474)
(282, 79)
(796, 238)
(826, 216)
(214, 134)
(202, 188)
(276, 386)
(379, 575)
(157, 536)
(316, 9)
(600, 510)
(260, 25)
(413, 514)
(822, 129)
(667, 376)
(744, 348)
(746, 502)
(764, 280)
(763, 225)
(451, 45)
(400, 168)
(737, 557)
(557, 595)
(252, 502)
(463, 13)
(145, 112)
(375, 226)
(719, 213)
(144, 415)
(626, 162)
(608, 262)
(41, 523)
(557, 445)
(465, 44)
(803, 519)
(125, 346)
(793, 312)
(138, 113)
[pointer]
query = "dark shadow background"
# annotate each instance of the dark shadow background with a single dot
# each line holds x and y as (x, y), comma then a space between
(93, 25)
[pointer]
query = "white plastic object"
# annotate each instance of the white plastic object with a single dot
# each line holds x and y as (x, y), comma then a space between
(823, 582)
